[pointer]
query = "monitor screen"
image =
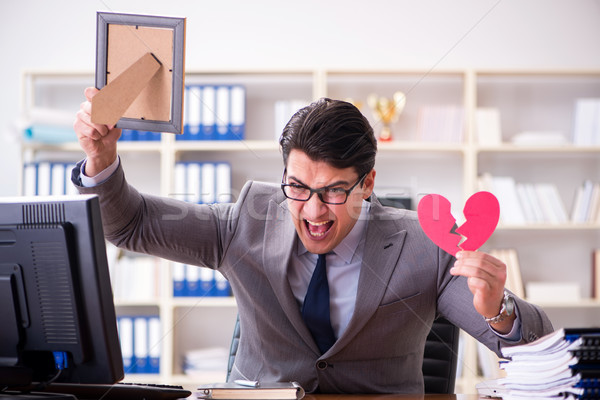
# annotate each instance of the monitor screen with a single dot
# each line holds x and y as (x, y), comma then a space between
(56, 305)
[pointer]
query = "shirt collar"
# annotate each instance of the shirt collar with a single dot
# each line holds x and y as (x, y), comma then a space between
(347, 247)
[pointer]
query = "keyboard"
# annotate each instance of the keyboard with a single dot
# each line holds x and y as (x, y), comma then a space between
(120, 391)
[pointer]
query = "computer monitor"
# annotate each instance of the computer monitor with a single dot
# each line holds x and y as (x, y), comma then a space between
(57, 313)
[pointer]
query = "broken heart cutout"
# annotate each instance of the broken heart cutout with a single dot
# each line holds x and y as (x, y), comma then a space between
(481, 212)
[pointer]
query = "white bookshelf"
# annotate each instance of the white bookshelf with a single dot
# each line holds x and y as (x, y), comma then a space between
(527, 101)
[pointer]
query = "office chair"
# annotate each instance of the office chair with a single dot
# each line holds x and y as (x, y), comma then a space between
(439, 359)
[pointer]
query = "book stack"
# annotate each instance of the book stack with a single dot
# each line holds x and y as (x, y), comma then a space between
(525, 203)
(284, 110)
(132, 135)
(48, 178)
(203, 182)
(586, 208)
(194, 281)
(140, 338)
(514, 279)
(135, 278)
(214, 112)
(48, 125)
(563, 364)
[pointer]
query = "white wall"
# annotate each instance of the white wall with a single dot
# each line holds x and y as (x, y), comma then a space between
(539, 34)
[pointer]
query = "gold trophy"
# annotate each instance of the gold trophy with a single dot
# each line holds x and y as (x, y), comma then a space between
(387, 111)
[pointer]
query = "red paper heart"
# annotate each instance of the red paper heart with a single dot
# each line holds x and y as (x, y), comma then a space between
(481, 211)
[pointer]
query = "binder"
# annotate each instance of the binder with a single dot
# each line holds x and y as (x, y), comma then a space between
(238, 113)
(179, 280)
(194, 180)
(44, 176)
(208, 113)
(192, 278)
(154, 341)
(30, 179)
(223, 112)
(125, 329)
(208, 183)
(70, 188)
(194, 109)
(58, 179)
(127, 135)
(222, 288)
(140, 345)
(180, 181)
(223, 183)
(207, 282)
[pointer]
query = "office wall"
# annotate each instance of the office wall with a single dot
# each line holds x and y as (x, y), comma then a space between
(537, 34)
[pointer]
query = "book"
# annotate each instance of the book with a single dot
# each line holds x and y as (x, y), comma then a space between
(514, 279)
(262, 390)
(487, 126)
(596, 274)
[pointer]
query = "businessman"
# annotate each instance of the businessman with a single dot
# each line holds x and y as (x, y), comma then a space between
(334, 290)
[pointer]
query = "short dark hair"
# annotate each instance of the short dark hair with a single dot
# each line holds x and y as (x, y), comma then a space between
(333, 131)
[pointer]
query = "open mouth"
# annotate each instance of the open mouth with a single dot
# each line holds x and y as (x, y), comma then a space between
(318, 229)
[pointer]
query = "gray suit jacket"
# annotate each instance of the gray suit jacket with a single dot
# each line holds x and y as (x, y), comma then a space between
(404, 284)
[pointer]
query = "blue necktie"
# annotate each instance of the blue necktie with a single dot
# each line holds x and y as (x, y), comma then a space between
(315, 310)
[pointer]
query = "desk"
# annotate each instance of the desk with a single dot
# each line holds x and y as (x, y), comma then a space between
(392, 397)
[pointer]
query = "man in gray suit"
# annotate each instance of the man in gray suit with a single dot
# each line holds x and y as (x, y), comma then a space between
(387, 281)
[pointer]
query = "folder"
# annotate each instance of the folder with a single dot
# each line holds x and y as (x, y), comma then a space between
(238, 113)
(140, 345)
(207, 282)
(208, 183)
(125, 328)
(192, 279)
(179, 283)
(194, 109)
(44, 176)
(30, 179)
(223, 113)
(222, 288)
(155, 342)
(194, 180)
(208, 113)
(58, 179)
(223, 183)
(180, 181)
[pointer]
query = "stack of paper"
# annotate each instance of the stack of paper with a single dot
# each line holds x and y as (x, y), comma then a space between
(563, 364)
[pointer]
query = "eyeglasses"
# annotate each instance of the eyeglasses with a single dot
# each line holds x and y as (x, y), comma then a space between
(328, 194)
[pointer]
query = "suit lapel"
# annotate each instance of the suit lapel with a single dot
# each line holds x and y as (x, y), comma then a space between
(279, 242)
(382, 249)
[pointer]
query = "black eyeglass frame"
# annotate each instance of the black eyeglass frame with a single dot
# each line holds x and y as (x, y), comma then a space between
(318, 191)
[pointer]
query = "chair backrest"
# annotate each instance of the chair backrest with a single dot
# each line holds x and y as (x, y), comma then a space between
(440, 357)
(439, 360)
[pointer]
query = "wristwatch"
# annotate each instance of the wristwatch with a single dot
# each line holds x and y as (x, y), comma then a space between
(508, 307)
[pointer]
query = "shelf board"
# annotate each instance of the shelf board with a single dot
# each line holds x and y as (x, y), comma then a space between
(549, 227)
(399, 146)
(583, 303)
(225, 145)
(75, 147)
(512, 148)
(272, 145)
(137, 303)
(204, 301)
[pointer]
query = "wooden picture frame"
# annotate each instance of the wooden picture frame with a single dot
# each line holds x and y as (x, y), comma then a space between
(120, 40)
